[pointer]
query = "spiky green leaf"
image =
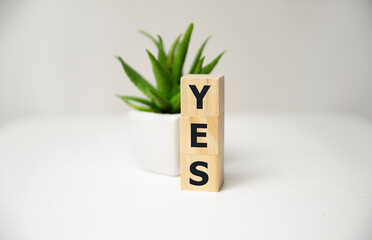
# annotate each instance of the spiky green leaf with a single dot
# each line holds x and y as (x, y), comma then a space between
(199, 66)
(149, 36)
(197, 56)
(168, 69)
(209, 67)
(140, 82)
(149, 106)
(163, 78)
(163, 104)
(162, 58)
(176, 103)
(170, 57)
(179, 59)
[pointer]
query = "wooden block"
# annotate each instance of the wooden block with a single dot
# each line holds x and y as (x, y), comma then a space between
(210, 152)
(201, 135)
(202, 132)
(201, 172)
(202, 95)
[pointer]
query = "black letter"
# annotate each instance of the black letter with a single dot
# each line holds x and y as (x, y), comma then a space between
(195, 134)
(199, 96)
(201, 174)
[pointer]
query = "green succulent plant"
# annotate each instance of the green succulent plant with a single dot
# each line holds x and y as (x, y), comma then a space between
(168, 70)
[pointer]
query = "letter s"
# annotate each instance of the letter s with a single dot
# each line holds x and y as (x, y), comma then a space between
(201, 174)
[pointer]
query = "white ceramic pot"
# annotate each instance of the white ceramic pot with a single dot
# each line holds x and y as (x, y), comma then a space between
(155, 141)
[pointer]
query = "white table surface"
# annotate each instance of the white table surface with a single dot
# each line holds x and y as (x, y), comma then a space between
(286, 177)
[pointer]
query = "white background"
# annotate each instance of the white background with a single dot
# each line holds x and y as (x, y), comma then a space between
(56, 57)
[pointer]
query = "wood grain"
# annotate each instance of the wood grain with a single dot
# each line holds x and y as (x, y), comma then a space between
(214, 100)
(202, 132)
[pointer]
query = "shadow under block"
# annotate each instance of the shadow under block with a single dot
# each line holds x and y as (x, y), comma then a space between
(213, 101)
(202, 132)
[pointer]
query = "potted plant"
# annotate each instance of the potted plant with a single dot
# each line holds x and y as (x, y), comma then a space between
(155, 126)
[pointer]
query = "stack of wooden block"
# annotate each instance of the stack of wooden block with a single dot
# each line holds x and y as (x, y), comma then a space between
(202, 132)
